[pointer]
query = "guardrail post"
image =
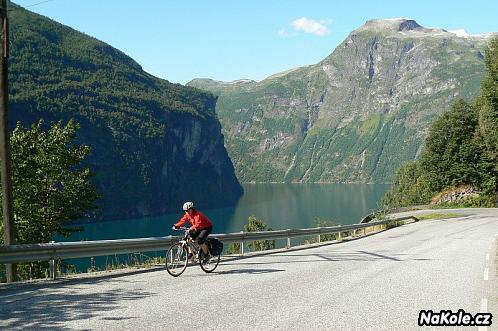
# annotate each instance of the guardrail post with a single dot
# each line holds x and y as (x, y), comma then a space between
(52, 269)
(318, 238)
(242, 244)
(288, 240)
(339, 238)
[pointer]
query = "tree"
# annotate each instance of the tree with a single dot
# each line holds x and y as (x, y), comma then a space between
(410, 187)
(488, 99)
(450, 154)
(255, 225)
(51, 187)
(488, 107)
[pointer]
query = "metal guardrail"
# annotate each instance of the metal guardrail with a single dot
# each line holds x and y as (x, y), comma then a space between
(373, 215)
(67, 250)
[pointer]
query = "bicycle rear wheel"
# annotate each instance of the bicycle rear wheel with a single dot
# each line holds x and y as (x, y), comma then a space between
(208, 265)
(176, 260)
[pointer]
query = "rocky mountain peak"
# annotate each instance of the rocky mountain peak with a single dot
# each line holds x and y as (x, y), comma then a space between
(409, 27)
(393, 24)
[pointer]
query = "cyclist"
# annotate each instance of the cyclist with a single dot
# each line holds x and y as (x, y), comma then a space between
(200, 229)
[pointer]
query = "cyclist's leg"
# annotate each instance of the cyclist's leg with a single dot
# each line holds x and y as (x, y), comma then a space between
(202, 239)
(193, 234)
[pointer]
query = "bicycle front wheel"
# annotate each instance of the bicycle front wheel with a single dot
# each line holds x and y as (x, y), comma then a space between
(208, 264)
(176, 260)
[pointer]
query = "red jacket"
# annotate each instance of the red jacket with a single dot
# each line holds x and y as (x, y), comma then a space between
(198, 220)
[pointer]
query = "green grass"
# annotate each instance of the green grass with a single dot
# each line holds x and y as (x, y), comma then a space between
(432, 216)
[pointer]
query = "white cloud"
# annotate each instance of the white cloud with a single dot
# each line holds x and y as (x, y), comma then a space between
(309, 25)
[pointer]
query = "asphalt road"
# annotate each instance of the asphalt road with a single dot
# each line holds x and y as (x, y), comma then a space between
(380, 282)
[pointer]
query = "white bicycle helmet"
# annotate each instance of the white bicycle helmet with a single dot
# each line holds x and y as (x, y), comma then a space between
(187, 205)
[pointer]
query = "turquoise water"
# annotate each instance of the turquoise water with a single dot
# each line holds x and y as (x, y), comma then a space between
(280, 206)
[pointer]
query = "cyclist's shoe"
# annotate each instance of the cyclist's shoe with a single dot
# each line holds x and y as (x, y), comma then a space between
(190, 256)
(205, 258)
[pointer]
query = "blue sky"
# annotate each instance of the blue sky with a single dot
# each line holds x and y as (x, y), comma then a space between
(229, 39)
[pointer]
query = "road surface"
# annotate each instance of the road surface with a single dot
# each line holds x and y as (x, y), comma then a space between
(380, 282)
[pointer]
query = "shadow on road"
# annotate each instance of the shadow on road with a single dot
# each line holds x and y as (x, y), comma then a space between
(381, 256)
(363, 256)
(249, 271)
(50, 307)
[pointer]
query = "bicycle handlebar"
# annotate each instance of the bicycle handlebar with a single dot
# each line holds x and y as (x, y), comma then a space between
(182, 228)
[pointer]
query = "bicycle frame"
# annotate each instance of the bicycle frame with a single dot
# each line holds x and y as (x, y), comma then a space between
(190, 244)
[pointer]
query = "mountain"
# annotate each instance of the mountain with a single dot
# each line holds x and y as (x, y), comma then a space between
(154, 144)
(356, 115)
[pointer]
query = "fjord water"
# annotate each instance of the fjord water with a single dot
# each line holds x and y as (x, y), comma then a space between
(280, 206)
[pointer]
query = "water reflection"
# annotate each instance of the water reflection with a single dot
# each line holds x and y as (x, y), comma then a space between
(281, 206)
(284, 206)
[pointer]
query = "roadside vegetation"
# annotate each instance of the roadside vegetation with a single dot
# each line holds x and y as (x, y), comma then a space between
(323, 237)
(51, 187)
(124, 261)
(254, 224)
(440, 216)
(461, 150)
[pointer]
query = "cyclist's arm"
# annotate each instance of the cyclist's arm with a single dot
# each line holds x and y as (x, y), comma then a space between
(182, 221)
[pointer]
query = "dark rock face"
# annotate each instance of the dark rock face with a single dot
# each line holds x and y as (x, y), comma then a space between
(408, 25)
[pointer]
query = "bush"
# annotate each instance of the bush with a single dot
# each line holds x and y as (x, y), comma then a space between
(254, 225)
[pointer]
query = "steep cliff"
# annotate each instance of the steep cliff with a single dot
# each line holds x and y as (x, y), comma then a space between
(154, 144)
(356, 115)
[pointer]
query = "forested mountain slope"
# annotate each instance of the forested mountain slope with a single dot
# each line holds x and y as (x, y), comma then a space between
(154, 144)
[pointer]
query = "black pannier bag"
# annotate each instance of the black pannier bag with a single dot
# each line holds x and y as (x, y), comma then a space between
(215, 246)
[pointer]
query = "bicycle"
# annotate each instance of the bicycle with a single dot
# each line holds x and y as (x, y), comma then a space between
(177, 256)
